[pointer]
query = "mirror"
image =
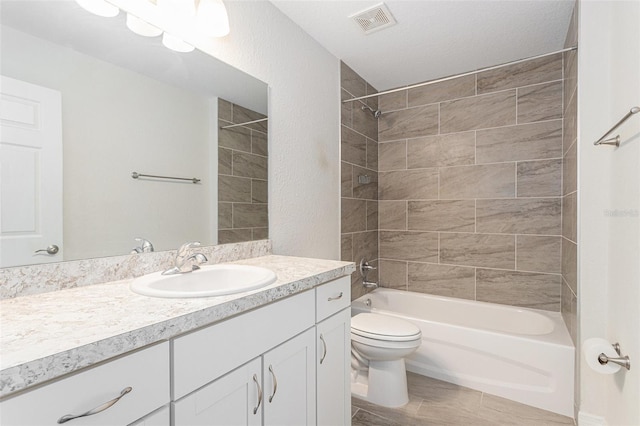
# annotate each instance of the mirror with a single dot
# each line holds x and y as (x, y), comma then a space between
(85, 104)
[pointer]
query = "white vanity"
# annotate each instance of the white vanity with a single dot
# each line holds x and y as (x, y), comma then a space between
(275, 356)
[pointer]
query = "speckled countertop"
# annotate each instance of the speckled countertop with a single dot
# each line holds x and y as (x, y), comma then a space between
(47, 335)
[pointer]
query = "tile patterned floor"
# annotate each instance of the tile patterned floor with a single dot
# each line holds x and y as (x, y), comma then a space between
(433, 402)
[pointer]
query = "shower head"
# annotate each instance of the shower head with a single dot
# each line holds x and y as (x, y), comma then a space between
(375, 112)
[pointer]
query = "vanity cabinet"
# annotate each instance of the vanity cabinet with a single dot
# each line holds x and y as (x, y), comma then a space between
(140, 380)
(277, 388)
(333, 333)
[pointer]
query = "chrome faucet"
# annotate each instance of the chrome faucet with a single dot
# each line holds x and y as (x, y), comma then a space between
(184, 263)
(144, 247)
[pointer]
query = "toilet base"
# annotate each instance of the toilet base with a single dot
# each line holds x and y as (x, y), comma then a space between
(385, 383)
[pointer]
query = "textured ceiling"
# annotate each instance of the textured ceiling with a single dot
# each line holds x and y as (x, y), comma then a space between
(433, 38)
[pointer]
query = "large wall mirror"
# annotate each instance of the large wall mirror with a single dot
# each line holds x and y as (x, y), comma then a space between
(85, 104)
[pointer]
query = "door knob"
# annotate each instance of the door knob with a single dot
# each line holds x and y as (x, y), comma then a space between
(52, 249)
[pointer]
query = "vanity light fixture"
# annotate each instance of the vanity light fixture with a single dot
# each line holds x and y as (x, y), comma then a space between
(142, 27)
(99, 7)
(212, 19)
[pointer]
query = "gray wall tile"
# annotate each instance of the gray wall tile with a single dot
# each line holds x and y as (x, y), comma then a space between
(393, 101)
(570, 217)
(519, 216)
(408, 185)
(478, 112)
(228, 236)
(393, 274)
(353, 147)
(492, 251)
(346, 247)
(238, 138)
(364, 122)
(570, 129)
(483, 181)
(259, 233)
(570, 264)
(570, 76)
(540, 178)
(234, 189)
(259, 191)
(351, 81)
(570, 171)
(442, 215)
(225, 218)
(224, 110)
(392, 156)
(365, 246)
(535, 71)
(442, 280)
(536, 253)
(249, 215)
(346, 179)
(346, 109)
(259, 143)
(540, 102)
(243, 115)
(372, 154)
(365, 190)
(408, 123)
(569, 310)
(249, 165)
(392, 215)
(406, 245)
(461, 87)
(372, 215)
(522, 142)
(455, 149)
(224, 161)
(532, 290)
(354, 215)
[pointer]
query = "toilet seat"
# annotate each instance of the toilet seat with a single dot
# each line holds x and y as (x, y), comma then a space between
(384, 328)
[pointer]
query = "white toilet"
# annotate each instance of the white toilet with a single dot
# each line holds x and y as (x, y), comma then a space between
(379, 344)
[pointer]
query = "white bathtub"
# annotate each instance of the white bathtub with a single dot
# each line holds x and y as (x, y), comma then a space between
(525, 355)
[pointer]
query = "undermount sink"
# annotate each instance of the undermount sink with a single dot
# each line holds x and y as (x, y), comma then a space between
(209, 280)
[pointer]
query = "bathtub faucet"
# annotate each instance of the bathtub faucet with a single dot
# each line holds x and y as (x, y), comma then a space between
(369, 284)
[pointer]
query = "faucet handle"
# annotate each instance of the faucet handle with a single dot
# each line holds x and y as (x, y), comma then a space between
(145, 245)
(186, 246)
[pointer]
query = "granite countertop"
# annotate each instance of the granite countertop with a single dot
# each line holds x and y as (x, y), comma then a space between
(45, 336)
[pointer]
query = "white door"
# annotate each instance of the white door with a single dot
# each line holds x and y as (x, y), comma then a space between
(30, 173)
(333, 370)
(289, 382)
(229, 401)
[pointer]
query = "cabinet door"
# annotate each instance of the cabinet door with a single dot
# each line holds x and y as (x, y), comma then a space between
(333, 370)
(229, 401)
(289, 382)
(159, 417)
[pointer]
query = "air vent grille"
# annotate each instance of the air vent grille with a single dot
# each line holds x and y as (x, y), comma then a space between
(374, 18)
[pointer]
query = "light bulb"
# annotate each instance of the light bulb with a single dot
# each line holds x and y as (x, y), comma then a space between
(99, 7)
(175, 43)
(212, 19)
(141, 27)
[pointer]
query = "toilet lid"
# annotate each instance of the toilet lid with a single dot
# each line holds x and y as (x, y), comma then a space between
(383, 327)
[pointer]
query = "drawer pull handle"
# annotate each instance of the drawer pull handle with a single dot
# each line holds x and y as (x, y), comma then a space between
(96, 410)
(275, 383)
(324, 349)
(338, 297)
(255, 379)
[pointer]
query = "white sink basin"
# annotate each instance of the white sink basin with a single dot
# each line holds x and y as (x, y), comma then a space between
(209, 280)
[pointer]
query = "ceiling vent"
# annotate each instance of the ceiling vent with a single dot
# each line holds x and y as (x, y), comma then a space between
(374, 18)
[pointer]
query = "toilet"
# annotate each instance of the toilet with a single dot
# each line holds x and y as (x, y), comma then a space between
(379, 344)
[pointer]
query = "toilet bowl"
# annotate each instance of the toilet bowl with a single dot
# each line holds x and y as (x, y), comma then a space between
(379, 344)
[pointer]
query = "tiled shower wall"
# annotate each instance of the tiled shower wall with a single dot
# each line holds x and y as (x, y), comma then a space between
(359, 153)
(569, 184)
(470, 186)
(242, 175)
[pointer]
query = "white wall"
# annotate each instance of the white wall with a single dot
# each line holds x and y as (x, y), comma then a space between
(116, 121)
(609, 179)
(304, 145)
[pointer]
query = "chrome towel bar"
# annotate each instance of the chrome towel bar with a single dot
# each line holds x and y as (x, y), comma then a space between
(616, 140)
(137, 175)
(245, 123)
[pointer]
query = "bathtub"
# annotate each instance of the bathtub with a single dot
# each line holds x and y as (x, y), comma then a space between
(525, 355)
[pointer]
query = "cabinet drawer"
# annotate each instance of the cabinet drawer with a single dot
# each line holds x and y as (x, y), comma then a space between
(206, 354)
(332, 297)
(146, 372)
